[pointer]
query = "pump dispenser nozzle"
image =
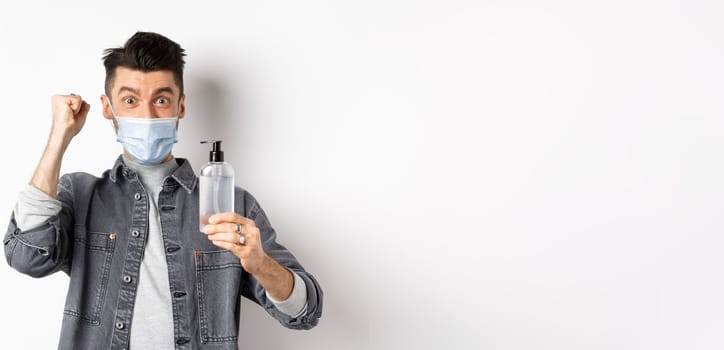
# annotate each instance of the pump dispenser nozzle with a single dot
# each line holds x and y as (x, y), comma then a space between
(215, 155)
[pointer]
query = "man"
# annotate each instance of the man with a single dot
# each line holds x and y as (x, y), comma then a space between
(142, 276)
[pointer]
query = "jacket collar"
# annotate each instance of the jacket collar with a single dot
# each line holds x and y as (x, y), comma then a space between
(183, 175)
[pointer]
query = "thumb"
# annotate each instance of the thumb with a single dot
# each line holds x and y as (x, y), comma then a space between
(75, 103)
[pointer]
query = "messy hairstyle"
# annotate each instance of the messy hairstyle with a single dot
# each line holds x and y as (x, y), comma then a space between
(146, 52)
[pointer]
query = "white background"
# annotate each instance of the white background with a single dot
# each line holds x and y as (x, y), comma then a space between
(457, 174)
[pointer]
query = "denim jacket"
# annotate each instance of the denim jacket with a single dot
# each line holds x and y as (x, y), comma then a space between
(98, 239)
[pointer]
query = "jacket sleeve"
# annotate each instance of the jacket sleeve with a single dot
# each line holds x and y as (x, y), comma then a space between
(253, 290)
(44, 249)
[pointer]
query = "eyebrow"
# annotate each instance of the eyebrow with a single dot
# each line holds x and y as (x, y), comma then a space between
(156, 92)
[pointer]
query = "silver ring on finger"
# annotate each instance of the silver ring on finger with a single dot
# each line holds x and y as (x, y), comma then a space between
(238, 228)
(242, 239)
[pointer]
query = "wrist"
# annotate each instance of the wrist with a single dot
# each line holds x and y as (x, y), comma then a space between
(265, 267)
(275, 278)
(59, 140)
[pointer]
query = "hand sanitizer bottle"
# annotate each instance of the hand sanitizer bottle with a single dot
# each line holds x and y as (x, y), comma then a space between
(216, 185)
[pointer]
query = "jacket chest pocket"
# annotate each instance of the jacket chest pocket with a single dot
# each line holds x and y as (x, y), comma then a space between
(218, 278)
(91, 263)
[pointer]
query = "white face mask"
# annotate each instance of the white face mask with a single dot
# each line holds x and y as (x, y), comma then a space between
(147, 140)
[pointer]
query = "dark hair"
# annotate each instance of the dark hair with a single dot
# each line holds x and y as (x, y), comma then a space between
(146, 52)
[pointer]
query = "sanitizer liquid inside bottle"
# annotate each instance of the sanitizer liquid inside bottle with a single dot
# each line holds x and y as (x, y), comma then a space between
(216, 185)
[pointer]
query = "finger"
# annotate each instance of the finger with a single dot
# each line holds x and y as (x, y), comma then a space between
(75, 102)
(224, 236)
(230, 217)
(234, 248)
(222, 227)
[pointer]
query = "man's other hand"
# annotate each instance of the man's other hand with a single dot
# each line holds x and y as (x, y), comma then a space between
(240, 236)
(69, 115)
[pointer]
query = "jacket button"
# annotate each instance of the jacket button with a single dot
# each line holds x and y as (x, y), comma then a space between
(137, 196)
(127, 279)
(119, 325)
(134, 233)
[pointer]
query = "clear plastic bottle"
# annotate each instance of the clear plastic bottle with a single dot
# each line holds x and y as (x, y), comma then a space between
(216, 185)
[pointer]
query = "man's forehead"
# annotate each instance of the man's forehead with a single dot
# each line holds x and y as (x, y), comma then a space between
(139, 82)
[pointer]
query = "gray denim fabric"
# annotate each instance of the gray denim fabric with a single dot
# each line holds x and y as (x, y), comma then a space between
(98, 239)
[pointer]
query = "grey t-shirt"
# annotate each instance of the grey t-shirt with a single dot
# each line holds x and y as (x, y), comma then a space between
(152, 325)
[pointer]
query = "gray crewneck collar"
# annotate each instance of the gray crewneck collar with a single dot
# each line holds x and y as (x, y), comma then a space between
(152, 175)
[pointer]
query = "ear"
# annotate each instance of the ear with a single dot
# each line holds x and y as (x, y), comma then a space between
(106, 107)
(182, 107)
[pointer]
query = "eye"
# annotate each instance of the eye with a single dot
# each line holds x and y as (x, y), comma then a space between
(129, 100)
(162, 100)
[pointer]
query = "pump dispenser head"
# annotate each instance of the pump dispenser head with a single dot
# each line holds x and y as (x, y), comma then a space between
(215, 155)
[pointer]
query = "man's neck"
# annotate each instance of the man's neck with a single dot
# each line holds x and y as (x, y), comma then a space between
(127, 157)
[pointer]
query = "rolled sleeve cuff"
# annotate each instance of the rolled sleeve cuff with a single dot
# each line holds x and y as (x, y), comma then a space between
(34, 207)
(296, 304)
